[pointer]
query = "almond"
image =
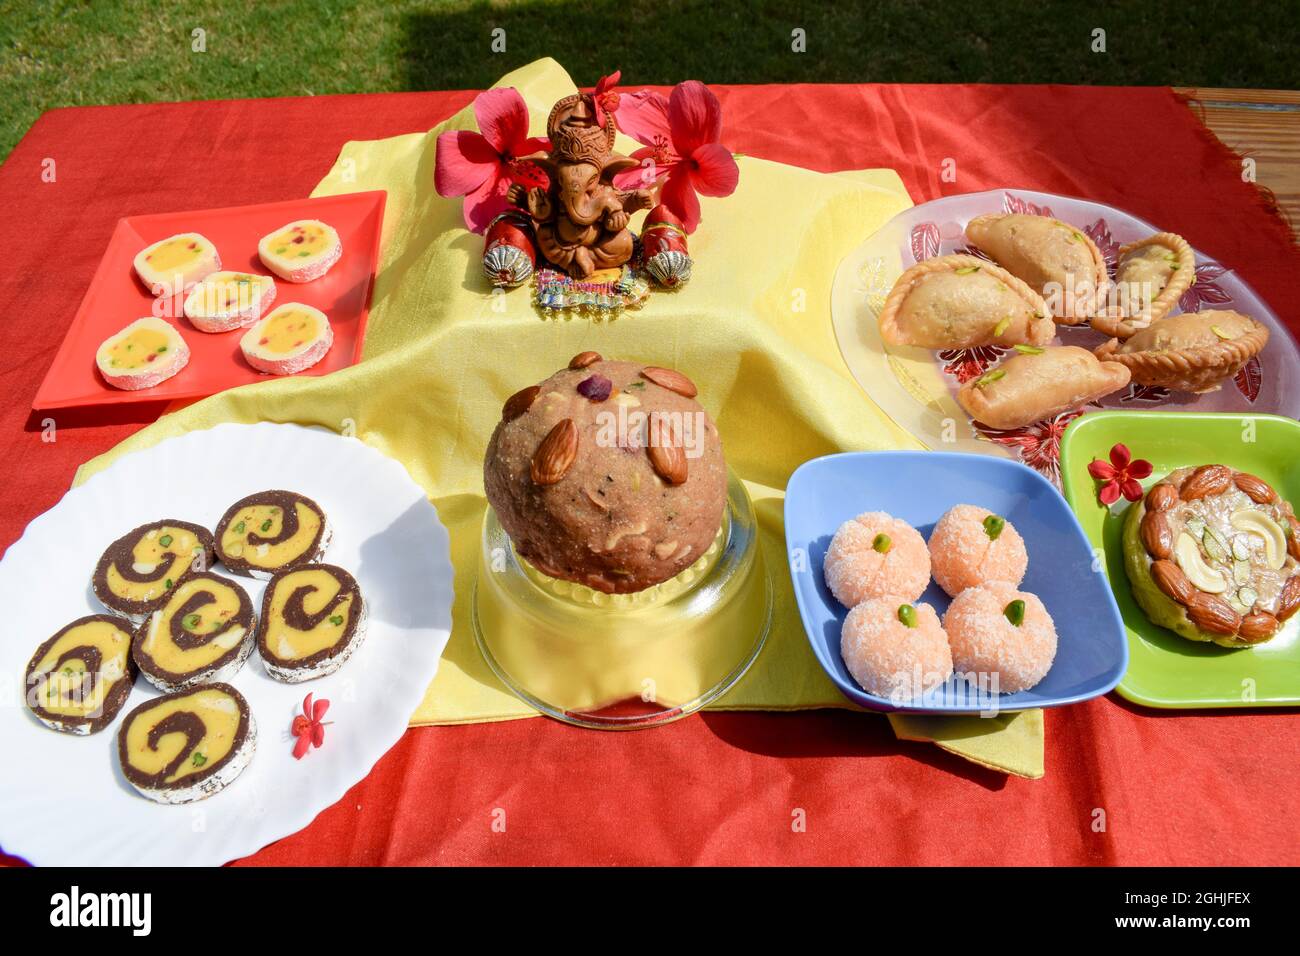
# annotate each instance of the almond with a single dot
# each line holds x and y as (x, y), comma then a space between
(1289, 602)
(583, 359)
(519, 402)
(1157, 536)
(1162, 497)
(1257, 489)
(667, 456)
(1169, 578)
(1213, 614)
(1258, 626)
(554, 456)
(1206, 480)
(670, 379)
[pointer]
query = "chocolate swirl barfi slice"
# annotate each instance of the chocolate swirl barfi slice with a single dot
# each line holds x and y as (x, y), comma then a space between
(138, 571)
(313, 618)
(188, 745)
(78, 680)
(204, 632)
(271, 531)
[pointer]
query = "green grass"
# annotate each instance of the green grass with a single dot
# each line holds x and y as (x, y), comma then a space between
(66, 53)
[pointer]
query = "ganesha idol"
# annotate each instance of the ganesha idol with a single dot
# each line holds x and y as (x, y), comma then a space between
(581, 219)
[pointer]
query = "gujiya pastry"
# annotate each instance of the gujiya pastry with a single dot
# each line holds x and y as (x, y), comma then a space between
(1045, 269)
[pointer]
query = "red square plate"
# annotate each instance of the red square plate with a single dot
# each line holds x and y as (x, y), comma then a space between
(116, 298)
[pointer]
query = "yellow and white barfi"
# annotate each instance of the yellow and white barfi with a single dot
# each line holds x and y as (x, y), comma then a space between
(176, 263)
(145, 353)
(229, 300)
(301, 251)
(292, 338)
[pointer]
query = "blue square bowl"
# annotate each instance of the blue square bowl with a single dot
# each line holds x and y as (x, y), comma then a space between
(918, 487)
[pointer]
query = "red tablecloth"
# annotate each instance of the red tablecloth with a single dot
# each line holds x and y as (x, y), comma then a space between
(1175, 788)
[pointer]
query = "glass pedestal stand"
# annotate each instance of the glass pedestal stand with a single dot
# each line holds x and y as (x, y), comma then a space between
(625, 661)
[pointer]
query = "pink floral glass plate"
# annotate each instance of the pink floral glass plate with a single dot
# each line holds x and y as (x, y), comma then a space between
(916, 387)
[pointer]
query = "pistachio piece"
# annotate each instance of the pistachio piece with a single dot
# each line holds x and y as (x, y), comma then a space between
(1256, 522)
(1240, 572)
(1241, 547)
(882, 543)
(1214, 547)
(1028, 349)
(1203, 577)
(993, 525)
(1196, 526)
(907, 614)
(1002, 326)
(988, 378)
(1015, 612)
(1247, 596)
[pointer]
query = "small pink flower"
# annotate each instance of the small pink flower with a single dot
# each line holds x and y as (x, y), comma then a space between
(1121, 475)
(309, 727)
(481, 166)
(679, 137)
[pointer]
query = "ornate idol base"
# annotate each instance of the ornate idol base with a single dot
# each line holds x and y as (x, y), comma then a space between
(625, 661)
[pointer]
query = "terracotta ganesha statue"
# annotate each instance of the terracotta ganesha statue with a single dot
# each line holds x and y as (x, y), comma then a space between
(581, 217)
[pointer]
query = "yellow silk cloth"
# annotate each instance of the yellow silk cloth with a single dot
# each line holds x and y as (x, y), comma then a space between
(752, 330)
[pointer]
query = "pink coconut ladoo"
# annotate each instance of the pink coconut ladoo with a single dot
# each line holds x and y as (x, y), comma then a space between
(998, 632)
(971, 545)
(895, 649)
(876, 555)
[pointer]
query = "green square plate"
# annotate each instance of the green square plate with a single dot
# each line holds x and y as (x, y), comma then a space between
(1164, 669)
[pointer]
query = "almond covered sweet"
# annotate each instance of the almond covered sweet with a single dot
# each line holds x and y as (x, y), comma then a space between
(1212, 555)
(608, 474)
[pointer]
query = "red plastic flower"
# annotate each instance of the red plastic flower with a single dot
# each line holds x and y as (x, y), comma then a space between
(309, 727)
(1121, 475)
(481, 166)
(603, 97)
(679, 138)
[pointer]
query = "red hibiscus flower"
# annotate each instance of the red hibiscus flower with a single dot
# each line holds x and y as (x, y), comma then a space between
(1121, 475)
(603, 97)
(679, 138)
(309, 726)
(481, 166)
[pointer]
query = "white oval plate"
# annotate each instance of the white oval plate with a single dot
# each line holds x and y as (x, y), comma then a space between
(917, 387)
(63, 799)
